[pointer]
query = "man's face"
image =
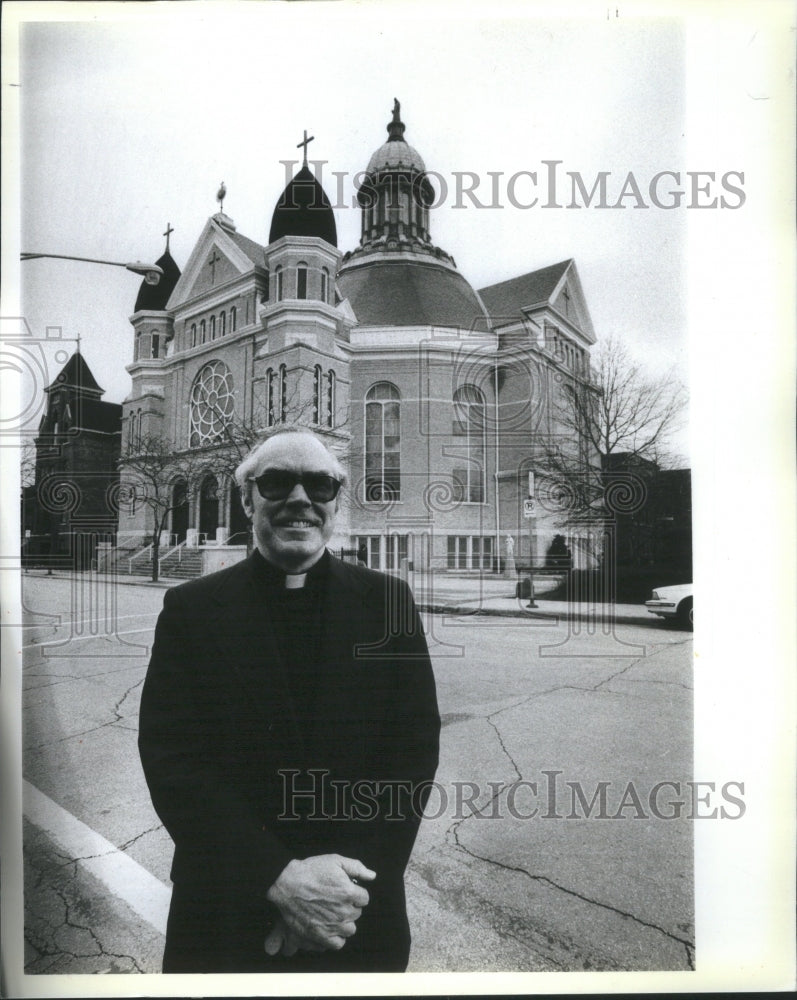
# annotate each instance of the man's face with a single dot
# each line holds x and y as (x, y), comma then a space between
(292, 533)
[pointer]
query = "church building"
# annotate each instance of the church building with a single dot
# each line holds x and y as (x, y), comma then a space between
(437, 397)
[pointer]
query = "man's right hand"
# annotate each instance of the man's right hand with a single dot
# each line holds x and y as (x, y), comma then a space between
(318, 899)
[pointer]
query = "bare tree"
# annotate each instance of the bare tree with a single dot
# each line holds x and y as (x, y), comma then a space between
(621, 410)
(150, 468)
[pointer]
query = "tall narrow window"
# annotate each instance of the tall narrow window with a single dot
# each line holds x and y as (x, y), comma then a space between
(156, 340)
(193, 334)
(212, 327)
(324, 284)
(330, 398)
(301, 280)
(318, 395)
(469, 423)
(233, 319)
(222, 324)
(382, 442)
(278, 280)
(283, 390)
(202, 332)
(270, 392)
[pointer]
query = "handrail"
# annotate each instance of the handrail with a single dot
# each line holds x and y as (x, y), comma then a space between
(135, 556)
(176, 548)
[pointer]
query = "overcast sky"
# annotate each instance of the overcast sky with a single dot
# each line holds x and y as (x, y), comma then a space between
(132, 124)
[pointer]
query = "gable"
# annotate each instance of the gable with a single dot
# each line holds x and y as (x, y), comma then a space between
(557, 287)
(568, 300)
(217, 257)
(214, 270)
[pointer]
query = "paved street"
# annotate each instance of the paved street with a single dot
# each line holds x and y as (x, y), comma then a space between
(543, 850)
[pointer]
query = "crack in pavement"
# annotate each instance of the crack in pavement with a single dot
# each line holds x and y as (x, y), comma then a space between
(127, 843)
(112, 722)
(453, 830)
(543, 879)
(118, 705)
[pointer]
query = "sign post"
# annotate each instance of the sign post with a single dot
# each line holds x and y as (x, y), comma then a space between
(530, 513)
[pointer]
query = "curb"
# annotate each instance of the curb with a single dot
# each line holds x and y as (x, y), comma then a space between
(524, 615)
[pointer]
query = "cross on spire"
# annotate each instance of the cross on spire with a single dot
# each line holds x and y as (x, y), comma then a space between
(566, 297)
(213, 261)
(305, 143)
(167, 234)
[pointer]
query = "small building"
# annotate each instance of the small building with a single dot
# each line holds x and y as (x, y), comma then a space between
(71, 505)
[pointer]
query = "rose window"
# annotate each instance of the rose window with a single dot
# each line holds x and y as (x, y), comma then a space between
(212, 403)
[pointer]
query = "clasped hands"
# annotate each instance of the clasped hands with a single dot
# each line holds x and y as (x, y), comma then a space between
(319, 904)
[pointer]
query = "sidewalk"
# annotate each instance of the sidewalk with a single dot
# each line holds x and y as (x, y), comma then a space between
(450, 595)
(494, 596)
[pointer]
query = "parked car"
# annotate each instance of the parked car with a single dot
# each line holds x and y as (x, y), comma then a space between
(674, 602)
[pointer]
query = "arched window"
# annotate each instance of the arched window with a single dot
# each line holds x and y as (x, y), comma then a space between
(233, 319)
(382, 442)
(193, 334)
(276, 395)
(318, 395)
(301, 280)
(330, 398)
(202, 332)
(469, 414)
(212, 327)
(155, 344)
(324, 284)
(222, 324)
(211, 403)
(278, 280)
(139, 423)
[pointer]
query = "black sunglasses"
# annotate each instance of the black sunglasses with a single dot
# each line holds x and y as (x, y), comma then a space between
(278, 484)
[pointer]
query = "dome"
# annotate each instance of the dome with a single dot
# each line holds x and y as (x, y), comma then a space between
(396, 155)
(155, 297)
(405, 292)
(303, 209)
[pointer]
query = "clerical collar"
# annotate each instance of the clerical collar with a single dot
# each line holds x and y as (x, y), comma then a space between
(277, 577)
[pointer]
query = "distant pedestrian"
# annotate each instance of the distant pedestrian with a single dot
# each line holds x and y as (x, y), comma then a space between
(362, 554)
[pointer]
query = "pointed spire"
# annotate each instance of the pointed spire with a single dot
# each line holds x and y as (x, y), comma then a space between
(395, 129)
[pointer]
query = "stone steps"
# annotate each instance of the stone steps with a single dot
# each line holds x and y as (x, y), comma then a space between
(185, 567)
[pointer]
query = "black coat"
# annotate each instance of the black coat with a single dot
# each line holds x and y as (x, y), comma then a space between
(221, 740)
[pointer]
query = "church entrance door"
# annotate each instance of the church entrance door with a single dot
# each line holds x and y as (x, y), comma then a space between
(208, 508)
(239, 522)
(180, 511)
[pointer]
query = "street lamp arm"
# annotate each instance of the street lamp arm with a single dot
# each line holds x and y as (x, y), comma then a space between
(151, 272)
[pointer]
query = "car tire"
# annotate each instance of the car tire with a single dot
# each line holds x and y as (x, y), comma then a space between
(686, 613)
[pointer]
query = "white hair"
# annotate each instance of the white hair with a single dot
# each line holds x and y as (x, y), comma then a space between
(243, 474)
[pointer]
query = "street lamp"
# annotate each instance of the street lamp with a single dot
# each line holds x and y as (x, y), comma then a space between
(151, 272)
